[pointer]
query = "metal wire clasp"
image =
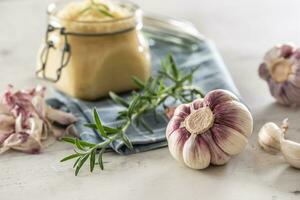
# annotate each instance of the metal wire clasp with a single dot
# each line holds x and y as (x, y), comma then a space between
(49, 44)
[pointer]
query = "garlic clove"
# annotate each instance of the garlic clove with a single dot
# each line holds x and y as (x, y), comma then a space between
(292, 92)
(269, 137)
(182, 110)
(218, 96)
(234, 115)
(196, 104)
(173, 124)
(176, 142)
(291, 152)
(196, 154)
(277, 91)
(218, 156)
(228, 139)
(263, 72)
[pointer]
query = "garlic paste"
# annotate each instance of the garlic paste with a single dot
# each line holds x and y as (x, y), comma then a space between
(112, 51)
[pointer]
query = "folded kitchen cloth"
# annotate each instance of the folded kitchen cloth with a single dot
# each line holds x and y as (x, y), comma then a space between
(211, 75)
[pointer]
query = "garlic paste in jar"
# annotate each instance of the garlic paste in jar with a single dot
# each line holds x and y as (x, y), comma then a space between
(105, 48)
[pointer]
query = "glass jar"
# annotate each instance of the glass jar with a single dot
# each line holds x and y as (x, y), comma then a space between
(87, 59)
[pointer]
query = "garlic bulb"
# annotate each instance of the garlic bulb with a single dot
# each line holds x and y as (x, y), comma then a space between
(209, 130)
(280, 68)
(272, 139)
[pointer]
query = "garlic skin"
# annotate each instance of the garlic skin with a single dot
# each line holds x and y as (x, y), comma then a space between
(280, 69)
(210, 130)
(26, 120)
(269, 137)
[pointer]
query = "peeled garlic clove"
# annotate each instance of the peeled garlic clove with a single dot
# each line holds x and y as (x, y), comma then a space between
(196, 154)
(218, 156)
(228, 139)
(291, 152)
(269, 137)
(176, 142)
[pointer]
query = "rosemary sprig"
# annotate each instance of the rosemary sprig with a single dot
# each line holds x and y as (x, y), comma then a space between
(99, 7)
(170, 83)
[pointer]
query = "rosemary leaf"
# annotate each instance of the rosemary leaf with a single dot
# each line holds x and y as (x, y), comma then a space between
(138, 82)
(70, 157)
(78, 145)
(126, 141)
(172, 64)
(69, 140)
(99, 124)
(108, 130)
(104, 12)
(72, 140)
(100, 158)
(81, 162)
(133, 105)
(117, 99)
(84, 10)
(76, 162)
(92, 159)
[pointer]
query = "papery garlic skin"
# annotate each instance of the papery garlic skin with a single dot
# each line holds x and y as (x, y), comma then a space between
(269, 137)
(210, 130)
(26, 120)
(281, 70)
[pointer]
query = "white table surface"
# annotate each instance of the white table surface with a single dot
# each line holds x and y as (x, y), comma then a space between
(242, 30)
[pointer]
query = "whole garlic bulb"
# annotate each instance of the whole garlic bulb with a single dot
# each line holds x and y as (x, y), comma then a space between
(209, 130)
(281, 70)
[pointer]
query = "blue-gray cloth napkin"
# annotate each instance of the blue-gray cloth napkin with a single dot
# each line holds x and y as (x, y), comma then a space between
(211, 75)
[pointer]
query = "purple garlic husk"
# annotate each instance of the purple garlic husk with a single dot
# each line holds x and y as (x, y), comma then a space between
(209, 130)
(281, 70)
(26, 120)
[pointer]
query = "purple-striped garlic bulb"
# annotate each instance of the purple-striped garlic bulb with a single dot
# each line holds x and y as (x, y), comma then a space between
(209, 130)
(280, 69)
